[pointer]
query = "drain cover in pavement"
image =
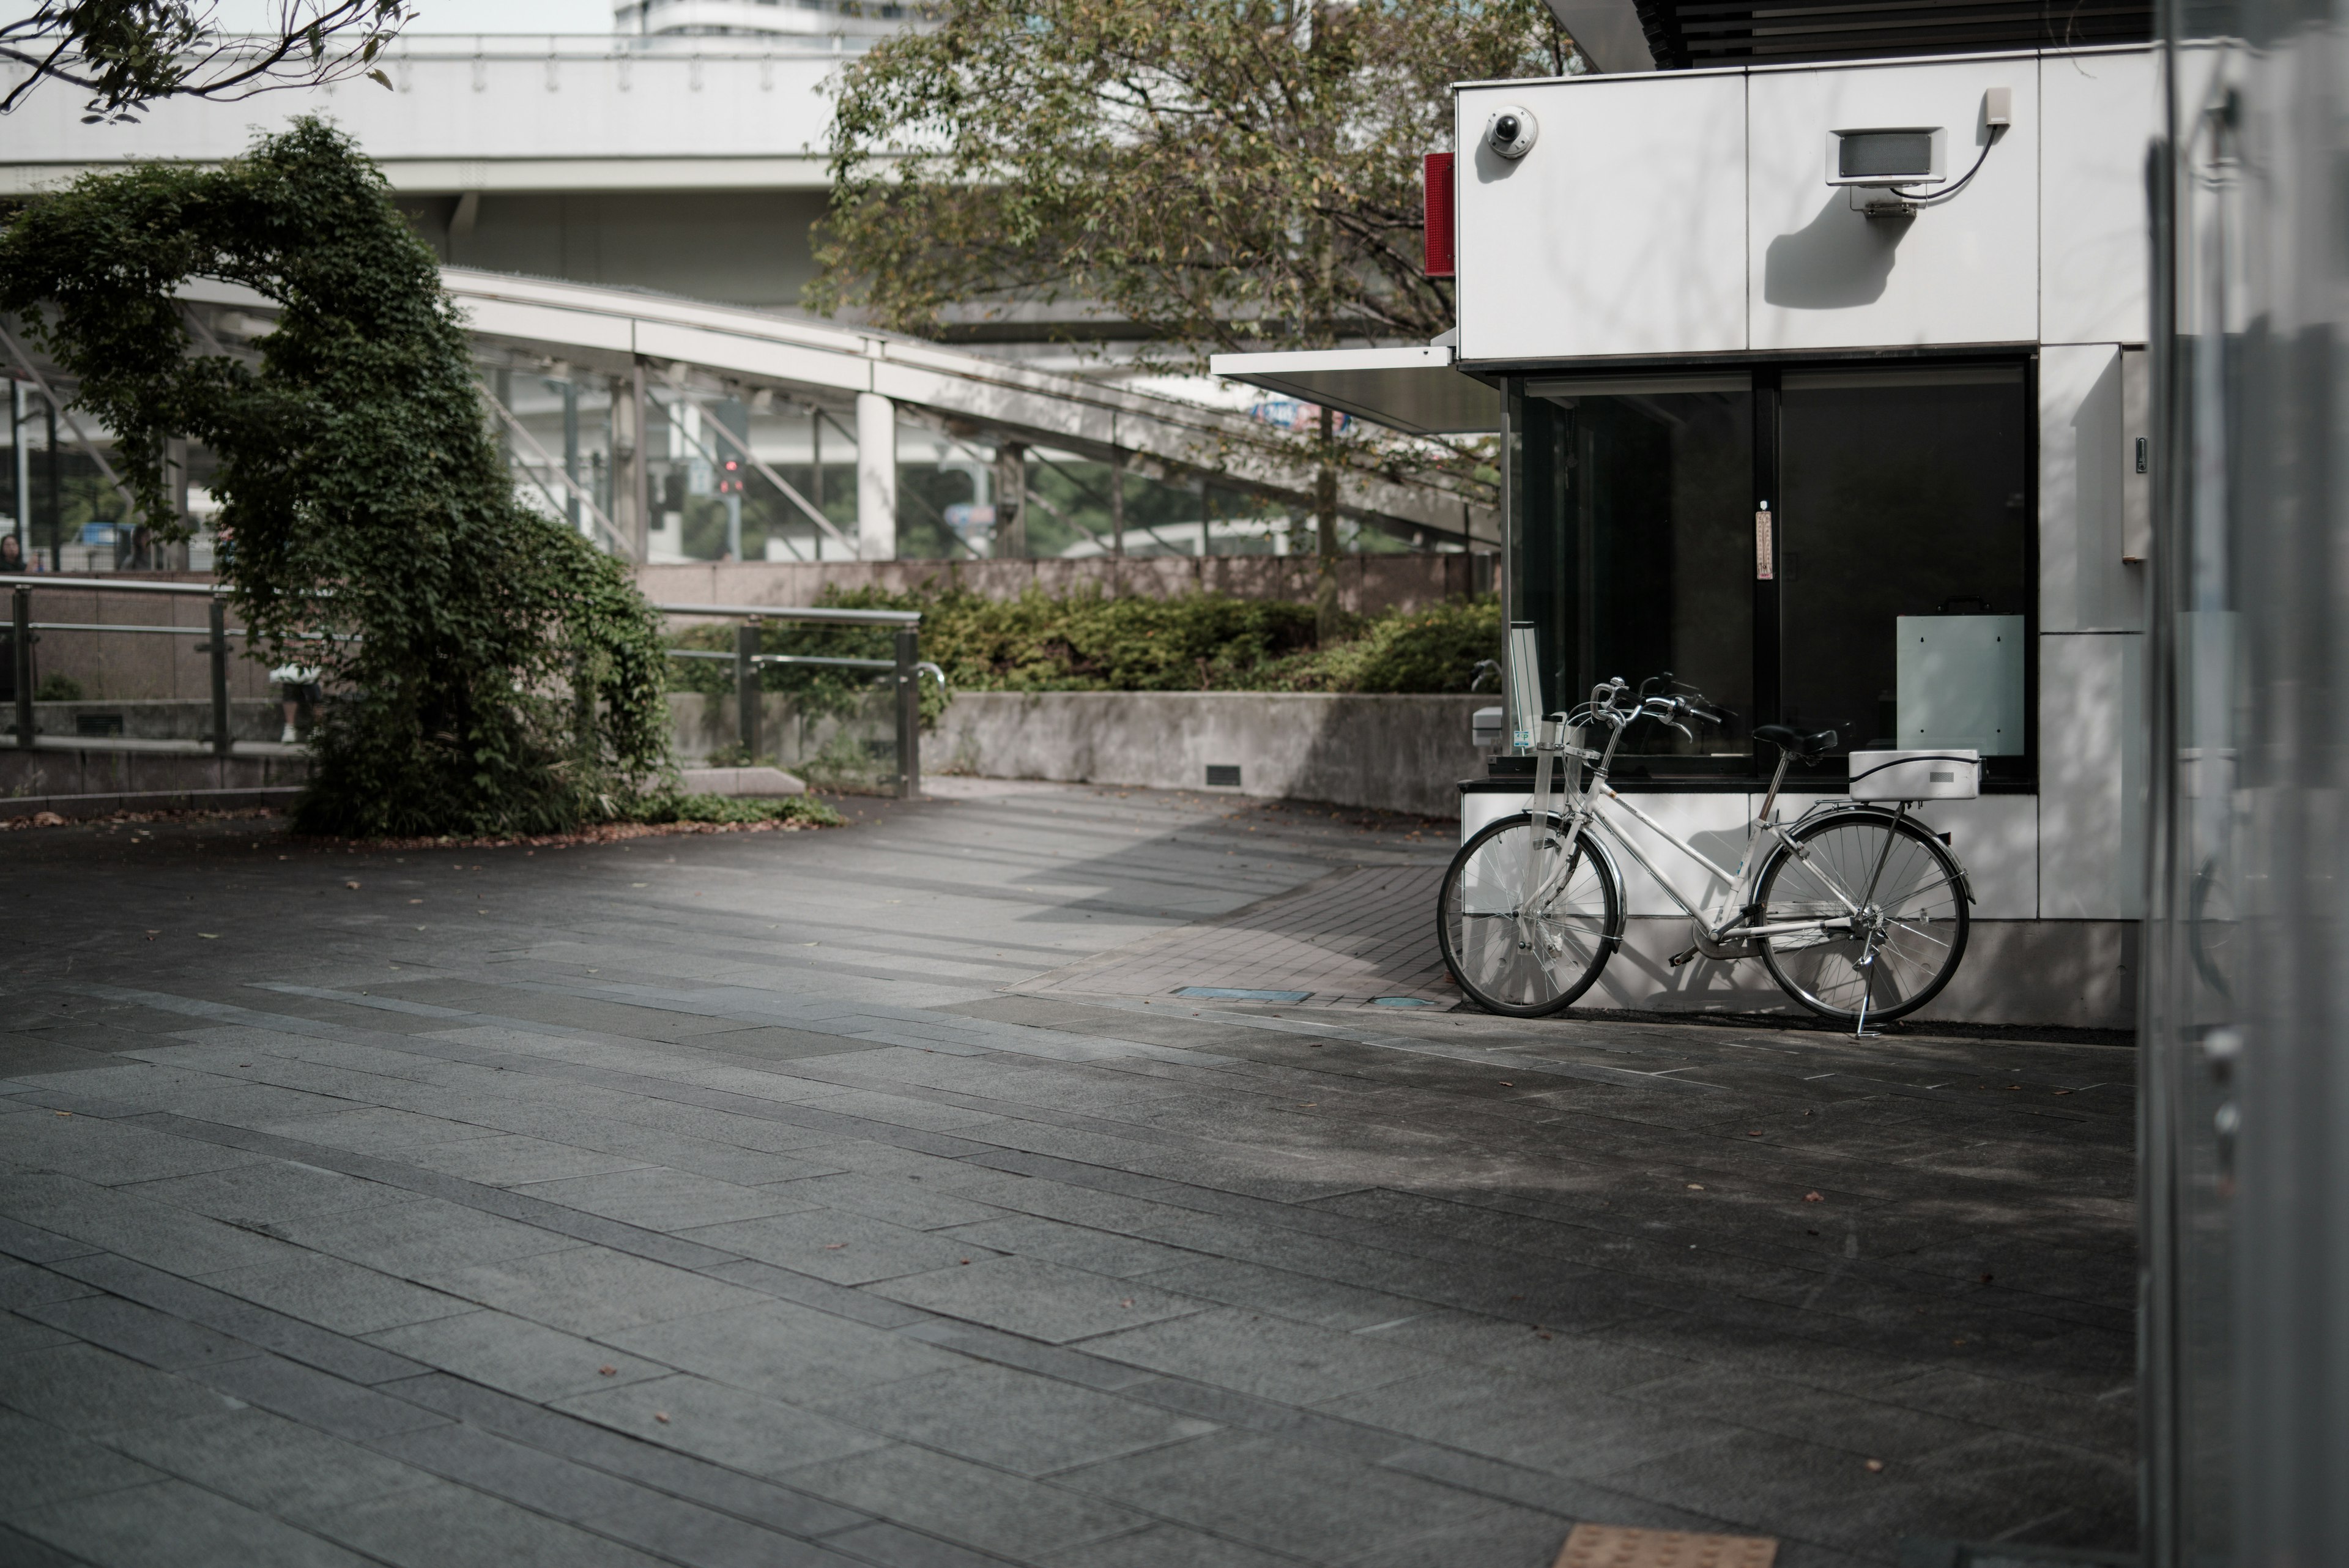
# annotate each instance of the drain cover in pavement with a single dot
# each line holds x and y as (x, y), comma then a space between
(1234, 993)
(1617, 1546)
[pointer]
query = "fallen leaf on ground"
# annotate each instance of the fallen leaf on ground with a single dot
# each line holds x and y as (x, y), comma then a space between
(354, 886)
(1692, 1186)
(1127, 1301)
(1813, 1198)
(209, 936)
(662, 1417)
(1876, 1465)
(609, 1371)
(834, 1246)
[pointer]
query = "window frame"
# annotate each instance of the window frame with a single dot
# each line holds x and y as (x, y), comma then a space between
(1528, 476)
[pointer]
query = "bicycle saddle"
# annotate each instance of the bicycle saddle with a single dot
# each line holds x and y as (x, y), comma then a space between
(1807, 745)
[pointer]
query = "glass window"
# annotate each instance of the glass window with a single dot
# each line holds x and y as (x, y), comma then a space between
(1897, 610)
(1651, 572)
(1905, 556)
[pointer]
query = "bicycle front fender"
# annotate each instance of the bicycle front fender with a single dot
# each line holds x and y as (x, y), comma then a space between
(1595, 847)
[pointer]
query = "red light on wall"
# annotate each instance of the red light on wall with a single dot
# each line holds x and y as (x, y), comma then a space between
(1437, 175)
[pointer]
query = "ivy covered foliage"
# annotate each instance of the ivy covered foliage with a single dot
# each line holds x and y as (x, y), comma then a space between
(490, 672)
(1087, 642)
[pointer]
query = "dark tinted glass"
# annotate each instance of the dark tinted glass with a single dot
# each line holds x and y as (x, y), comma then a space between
(1905, 558)
(1656, 501)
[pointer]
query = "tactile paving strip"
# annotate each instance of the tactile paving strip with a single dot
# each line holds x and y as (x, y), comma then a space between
(1620, 1546)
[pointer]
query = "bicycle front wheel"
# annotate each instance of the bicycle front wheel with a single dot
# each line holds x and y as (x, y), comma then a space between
(1536, 965)
(1876, 877)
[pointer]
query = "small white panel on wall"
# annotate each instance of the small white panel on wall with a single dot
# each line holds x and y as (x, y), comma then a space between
(1960, 681)
(2092, 777)
(1823, 275)
(1623, 230)
(2100, 112)
(2089, 489)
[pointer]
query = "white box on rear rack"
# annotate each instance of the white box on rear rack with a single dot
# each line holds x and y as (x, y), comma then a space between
(1916, 776)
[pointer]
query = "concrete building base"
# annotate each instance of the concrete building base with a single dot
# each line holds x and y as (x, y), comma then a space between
(1388, 753)
(2077, 974)
(60, 767)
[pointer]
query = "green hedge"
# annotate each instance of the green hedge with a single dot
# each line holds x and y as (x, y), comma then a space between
(1087, 642)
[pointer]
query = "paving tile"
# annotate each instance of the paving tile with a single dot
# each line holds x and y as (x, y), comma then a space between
(118, 1221)
(374, 1129)
(29, 1284)
(681, 1532)
(445, 1524)
(744, 1431)
(1548, 1426)
(505, 1160)
(170, 1525)
(314, 1398)
(157, 1339)
(969, 1504)
(23, 1334)
(426, 1236)
(590, 1290)
(1042, 1301)
(834, 1245)
(1078, 1246)
(661, 1200)
(1324, 1302)
(1013, 1420)
(909, 1201)
(85, 1389)
(268, 1462)
(39, 1464)
(521, 1357)
(1269, 1357)
(786, 1351)
(1869, 1428)
(1164, 1546)
(112, 1153)
(259, 1192)
(346, 1297)
(1278, 1497)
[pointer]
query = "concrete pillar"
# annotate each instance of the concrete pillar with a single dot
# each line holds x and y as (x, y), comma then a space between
(876, 477)
(628, 491)
(1011, 494)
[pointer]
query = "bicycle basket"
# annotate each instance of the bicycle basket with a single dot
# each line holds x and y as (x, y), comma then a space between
(1951, 775)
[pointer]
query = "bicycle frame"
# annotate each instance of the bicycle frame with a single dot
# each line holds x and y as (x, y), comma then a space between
(1720, 934)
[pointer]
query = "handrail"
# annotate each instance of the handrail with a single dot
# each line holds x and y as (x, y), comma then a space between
(132, 586)
(799, 612)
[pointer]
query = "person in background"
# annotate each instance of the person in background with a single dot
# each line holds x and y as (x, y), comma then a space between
(12, 555)
(297, 688)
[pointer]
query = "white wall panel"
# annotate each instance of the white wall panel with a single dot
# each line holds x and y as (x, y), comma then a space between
(2083, 450)
(1824, 276)
(2092, 772)
(2100, 111)
(1995, 839)
(1622, 232)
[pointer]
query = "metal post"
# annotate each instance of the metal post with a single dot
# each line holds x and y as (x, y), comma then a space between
(1117, 503)
(909, 713)
(21, 649)
(746, 686)
(218, 648)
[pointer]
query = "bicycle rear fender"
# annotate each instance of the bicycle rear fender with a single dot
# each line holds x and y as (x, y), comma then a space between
(1826, 809)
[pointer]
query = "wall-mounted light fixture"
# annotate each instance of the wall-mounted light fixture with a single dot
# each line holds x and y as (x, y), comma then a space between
(1889, 167)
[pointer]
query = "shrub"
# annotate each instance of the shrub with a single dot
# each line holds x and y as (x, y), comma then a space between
(492, 673)
(59, 688)
(722, 808)
(1086, 642)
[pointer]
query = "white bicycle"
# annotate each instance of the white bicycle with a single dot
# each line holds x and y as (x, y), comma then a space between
(1857, 908)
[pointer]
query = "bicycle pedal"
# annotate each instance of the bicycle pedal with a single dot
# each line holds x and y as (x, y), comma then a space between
(1687, 957)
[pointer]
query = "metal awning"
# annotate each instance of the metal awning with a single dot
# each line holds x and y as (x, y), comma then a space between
(1413, 390)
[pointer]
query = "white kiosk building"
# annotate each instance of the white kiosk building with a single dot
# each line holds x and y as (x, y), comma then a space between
(1821, 386)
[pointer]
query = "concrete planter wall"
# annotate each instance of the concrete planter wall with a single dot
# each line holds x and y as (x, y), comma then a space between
(1392, 753)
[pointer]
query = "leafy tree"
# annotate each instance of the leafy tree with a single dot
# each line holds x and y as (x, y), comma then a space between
(126, 53)
(494, 673)
(1225, 176)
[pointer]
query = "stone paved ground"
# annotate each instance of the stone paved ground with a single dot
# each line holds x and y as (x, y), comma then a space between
(725, 1201)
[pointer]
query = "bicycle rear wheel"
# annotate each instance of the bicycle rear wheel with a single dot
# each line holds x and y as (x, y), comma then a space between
(1537, 966)
(1916, 913)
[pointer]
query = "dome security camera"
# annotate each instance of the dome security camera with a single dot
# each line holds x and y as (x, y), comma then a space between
(1511, 131)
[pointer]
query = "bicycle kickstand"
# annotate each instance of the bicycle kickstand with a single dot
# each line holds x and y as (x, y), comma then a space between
(1867, 992)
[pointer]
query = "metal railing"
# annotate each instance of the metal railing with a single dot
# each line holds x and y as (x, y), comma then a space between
(25, 631)
(905, 670)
